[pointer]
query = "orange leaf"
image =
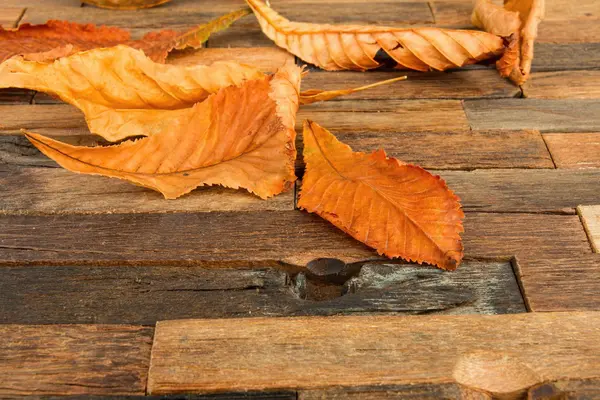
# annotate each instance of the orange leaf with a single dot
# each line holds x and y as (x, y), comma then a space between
(239, 137)
(399, 209)
(119, 89)
(125, 4)
(339, 47)
(28, 39)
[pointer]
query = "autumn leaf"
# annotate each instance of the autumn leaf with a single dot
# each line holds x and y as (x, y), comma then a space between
(31, 39)
(315, 95)
(119, 89)
(354, 47)
(125, 4)
(240, 137)
(517, 21)
(399, 209)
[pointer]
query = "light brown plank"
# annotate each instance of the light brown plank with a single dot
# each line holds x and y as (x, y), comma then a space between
(590, 216)
(73, 359)
(580, 150)
(574, 11)
(37, 3)
(564, 85)
(543, 115)
(503, 355)
(485, 83)
(566, 283)
(569, 31)
(54, 120)
(267, 59)
(566, 56)
(236, 239)
(9, 16)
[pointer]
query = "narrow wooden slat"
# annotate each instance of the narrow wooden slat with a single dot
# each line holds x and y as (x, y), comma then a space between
(569, 31)
(566, 56)
(543, 115)
(574, 151)
(37, 3)
(267, 59)
(144, 295)
(233, 239)
(484, 83)
(561, 284)
(16, 96)
(590, 216)
(9, 16)
(568, 10)
(55, 120)
(74, 359)
(564, 85)
(455, 14)
(502, 355)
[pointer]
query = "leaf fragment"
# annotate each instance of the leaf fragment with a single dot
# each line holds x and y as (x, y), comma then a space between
(315, 95)
(31, 39)
(240, 137)
(125, 4)
(399, 209)
(354, 47)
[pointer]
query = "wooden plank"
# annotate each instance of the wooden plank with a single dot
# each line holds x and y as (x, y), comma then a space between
(590, 216)
(574, 151)
(267, 59)
(569, 31)
(485, 83)
(456, 14)
(16, 96)
(544, 115)
(564, 85)
(55, 120)
(10, 16)
(568, 10)
(502, 355)
(37, 3)
(74, 359)
(234, 239)
(144, 295)
(566, 56)
(566, 283)
(57, 191)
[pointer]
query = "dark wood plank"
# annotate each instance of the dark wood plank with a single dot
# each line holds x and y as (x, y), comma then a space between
(566, 56)
(485, 83)
(543, 115)
(502, 355)
(564, 85)
(16, 96)
(590, 216)
(74, 359)
(566, 283)
(252, 238)
(574, 151)
(145, 295)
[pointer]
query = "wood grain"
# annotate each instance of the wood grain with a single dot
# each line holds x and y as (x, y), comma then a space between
(569, 31)
(267, 59)
(566, 283)
(566, 56)
(485, 83)
(230, 239)
(74, 359)
(564, 85)
(574, 151)
(16, 96)
(590, 216)
(503, 355)
(57, 191)
(55, 120)
(145, 295)
(9, 16)
(544, 115)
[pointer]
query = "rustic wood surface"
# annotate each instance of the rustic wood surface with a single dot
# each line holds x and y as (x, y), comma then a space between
(90, 264)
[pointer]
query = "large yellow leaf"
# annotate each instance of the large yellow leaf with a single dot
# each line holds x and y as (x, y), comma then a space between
(240, 137)
(116, 87)
(339, 47)
(399, 209)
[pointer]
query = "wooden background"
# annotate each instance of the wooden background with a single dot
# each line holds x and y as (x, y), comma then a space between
(90, 265)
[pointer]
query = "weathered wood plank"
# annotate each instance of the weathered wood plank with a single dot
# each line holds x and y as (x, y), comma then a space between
(544, 115)
(144, 295)
(590, 216)
(55, 120)
(569, 31)
(574, 151)
(16, 96)
(57, 191)
(70, 360)
(564, 85)
(230, 239)
(569, 56)
(502, 355)
(568, 10)
(267, 59)
(485, 83)
(10, 16)
(561, 284)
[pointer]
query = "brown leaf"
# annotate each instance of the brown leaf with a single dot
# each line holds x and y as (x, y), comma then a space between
(340, 47)
(54, 34)
(125, 4)
(517, 21)
(315, 95)
(240, 137)
(399, 209)
(119, 89)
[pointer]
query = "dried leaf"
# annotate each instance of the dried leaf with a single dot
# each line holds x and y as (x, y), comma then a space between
(125, 4)
(399, 209)
(240, 137)
(43, 38)
(315, 95)
(517, 22)
(340, 47)
(119, 89)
